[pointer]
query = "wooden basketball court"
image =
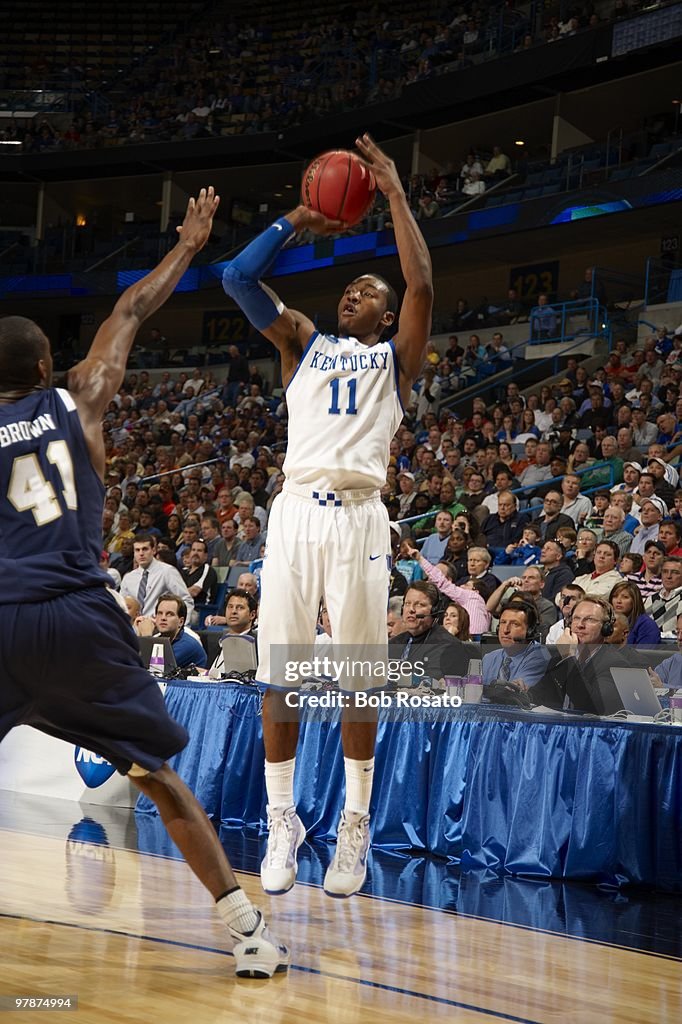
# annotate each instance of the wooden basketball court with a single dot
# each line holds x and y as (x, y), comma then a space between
(134, 936)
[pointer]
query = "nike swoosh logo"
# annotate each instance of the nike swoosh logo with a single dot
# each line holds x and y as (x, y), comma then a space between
(373, 558)
(278, 226)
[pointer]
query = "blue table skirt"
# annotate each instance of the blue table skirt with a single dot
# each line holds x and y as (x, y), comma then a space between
(505, 790)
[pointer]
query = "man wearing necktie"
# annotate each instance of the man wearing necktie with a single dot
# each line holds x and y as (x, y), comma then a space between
(152, 578)
(520, 662)
(424, 643)
(584, 676)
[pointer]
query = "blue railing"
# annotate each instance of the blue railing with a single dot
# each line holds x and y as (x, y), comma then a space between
(517, 372)
(560, 316)
(663, 282)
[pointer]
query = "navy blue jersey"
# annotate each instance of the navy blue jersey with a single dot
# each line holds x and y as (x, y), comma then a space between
(51, 501)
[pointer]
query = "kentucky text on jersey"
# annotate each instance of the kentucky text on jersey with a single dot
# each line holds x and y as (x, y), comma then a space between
(24, 430)
(361, 361)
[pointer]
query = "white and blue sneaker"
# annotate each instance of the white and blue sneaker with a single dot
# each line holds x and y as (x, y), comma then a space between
(348, 870)
(259, 954)
(285, 835)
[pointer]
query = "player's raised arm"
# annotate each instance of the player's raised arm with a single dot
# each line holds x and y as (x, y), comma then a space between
(287, 329)
(96, 379)
(415, 263)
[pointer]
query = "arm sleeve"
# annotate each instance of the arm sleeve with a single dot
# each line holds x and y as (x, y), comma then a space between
(241, 277)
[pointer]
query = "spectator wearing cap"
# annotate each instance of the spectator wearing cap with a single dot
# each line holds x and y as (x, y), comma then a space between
(649, 578)
(604, 577)
(652, 513)
(612, 529)
(666, 477)
(408, 492)
(595, 387)
(631, 474)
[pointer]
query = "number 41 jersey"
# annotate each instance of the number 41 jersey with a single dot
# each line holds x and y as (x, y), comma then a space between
(344, 408)
(51, 501)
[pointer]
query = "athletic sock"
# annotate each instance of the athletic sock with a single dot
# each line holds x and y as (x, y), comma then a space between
(359, 777)
(237, 911)
(279, 782)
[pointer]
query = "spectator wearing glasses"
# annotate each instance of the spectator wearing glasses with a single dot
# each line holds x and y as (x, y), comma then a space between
(552, 518)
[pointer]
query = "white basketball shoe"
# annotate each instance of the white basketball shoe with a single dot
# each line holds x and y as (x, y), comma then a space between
(348, 870)
(285, 835)
(259, 954)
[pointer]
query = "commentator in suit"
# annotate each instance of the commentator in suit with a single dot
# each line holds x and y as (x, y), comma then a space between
(582, 674)
(426, 644)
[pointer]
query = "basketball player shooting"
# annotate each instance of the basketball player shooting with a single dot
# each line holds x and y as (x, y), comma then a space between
(69, 662)
(328, 532)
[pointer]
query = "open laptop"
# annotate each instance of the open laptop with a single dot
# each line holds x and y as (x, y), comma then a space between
(636, 691)
(157, 645)
(239, 654)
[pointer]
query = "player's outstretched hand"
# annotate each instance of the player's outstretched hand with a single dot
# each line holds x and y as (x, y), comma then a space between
(196, 227)
(381, 165)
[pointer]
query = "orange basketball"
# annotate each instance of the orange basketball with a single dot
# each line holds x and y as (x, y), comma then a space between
(339, 185)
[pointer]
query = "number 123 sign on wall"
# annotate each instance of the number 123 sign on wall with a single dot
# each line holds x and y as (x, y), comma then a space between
(535, 279)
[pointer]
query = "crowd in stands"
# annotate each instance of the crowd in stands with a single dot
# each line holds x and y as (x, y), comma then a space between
(229, 75)
(573, 488)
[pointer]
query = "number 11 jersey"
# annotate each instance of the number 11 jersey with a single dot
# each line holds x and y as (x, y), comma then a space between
(344, 408)
(51, 501)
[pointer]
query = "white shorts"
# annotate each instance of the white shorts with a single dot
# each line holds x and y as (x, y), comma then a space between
(332, 546)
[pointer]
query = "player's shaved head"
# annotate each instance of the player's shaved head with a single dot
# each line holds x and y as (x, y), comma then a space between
(22, 346)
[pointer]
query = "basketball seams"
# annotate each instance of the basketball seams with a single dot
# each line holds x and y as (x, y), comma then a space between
(331, 185)
(349, 172)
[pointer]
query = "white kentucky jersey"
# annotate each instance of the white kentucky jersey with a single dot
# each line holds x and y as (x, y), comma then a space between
(344, 408)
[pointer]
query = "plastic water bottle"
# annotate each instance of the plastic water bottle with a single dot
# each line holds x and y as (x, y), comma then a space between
(156, 662)
(676, 708)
